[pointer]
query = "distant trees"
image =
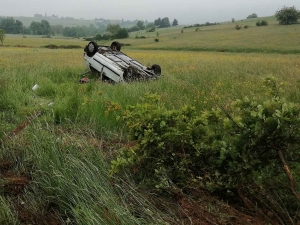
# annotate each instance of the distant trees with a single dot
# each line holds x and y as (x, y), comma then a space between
(161, 23)
(113, 31)
(113, 28)
(165, 22)
(40, 28)
(57, 29)
(140, 25)
(2, 35)
(157, 22)
(11, 26)
(232, 20)
(287, 15)
(253, 15)
(175, 22)
(201, 25)
(150, 27)
(80, 31)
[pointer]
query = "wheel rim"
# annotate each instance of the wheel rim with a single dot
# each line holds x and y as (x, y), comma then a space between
(91, 47)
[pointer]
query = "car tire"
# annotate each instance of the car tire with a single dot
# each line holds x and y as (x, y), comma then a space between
(115, 45)
(91, 48)
(156, 69)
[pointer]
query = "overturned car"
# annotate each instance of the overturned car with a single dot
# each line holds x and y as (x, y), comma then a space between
(113, 65)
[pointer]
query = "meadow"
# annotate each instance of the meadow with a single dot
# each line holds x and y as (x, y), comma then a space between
(57, 167)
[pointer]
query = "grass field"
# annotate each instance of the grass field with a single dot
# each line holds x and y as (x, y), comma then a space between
(222, 38)
(56, 168)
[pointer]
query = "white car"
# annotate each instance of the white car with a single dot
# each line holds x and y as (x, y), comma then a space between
(113, 65)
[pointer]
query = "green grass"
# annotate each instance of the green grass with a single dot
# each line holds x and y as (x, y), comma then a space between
(273, 38)
(67, 149)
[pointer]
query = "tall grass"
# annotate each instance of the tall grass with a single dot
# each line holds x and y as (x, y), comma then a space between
(69, 172)
(7, 216)
(71, 176)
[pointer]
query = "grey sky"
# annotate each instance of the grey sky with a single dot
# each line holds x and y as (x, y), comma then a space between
(185, 11)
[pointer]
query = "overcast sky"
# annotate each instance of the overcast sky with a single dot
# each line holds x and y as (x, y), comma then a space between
(185, 11)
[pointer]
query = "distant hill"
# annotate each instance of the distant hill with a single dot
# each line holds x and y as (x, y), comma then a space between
(73, 22)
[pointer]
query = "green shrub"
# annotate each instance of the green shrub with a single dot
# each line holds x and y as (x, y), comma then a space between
(262, 23)
(287, 15)
(238, 27)
(217, 149)
(156, 39)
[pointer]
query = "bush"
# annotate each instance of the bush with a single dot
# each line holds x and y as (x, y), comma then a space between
(247, 145)
(287, 15)
(253, 15)
(156, 40)
(238, 27)
(262, 23)
(151, 29)
(246, 26)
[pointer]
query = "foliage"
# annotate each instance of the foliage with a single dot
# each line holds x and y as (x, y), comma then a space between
(40, 28)
(57, 29)
(7, 216)
(151, 29)
(238, 27)
(253, 15)
(140, 25)
(232, 20)
(157, 22)
(2, 35)
(287, 15)
(11, 26)
(262, 23)
(113, 28)
(175, 22)
(217, 149)
(201, 25)
(122, 33)
(246, 26)
(116, 31)
(161, 23)
(156, 39)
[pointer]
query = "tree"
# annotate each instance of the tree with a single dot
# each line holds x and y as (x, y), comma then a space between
(233, 20)
(113, 28)
(45, 27)
(41, 28)
(18, 27)
(157, 22)
(140, 25)
(287, 15)
(175, 22)
(2, 35)
(122, 33)
(10, 26)
(35, 27)
(165, 22)
(253, 15)
(150, 25)
(57, 29)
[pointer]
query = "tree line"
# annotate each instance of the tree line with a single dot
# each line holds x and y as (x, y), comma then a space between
(12, 26)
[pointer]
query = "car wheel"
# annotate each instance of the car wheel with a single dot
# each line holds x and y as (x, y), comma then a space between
(91, 48)
(156, 69)
(115, 46)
